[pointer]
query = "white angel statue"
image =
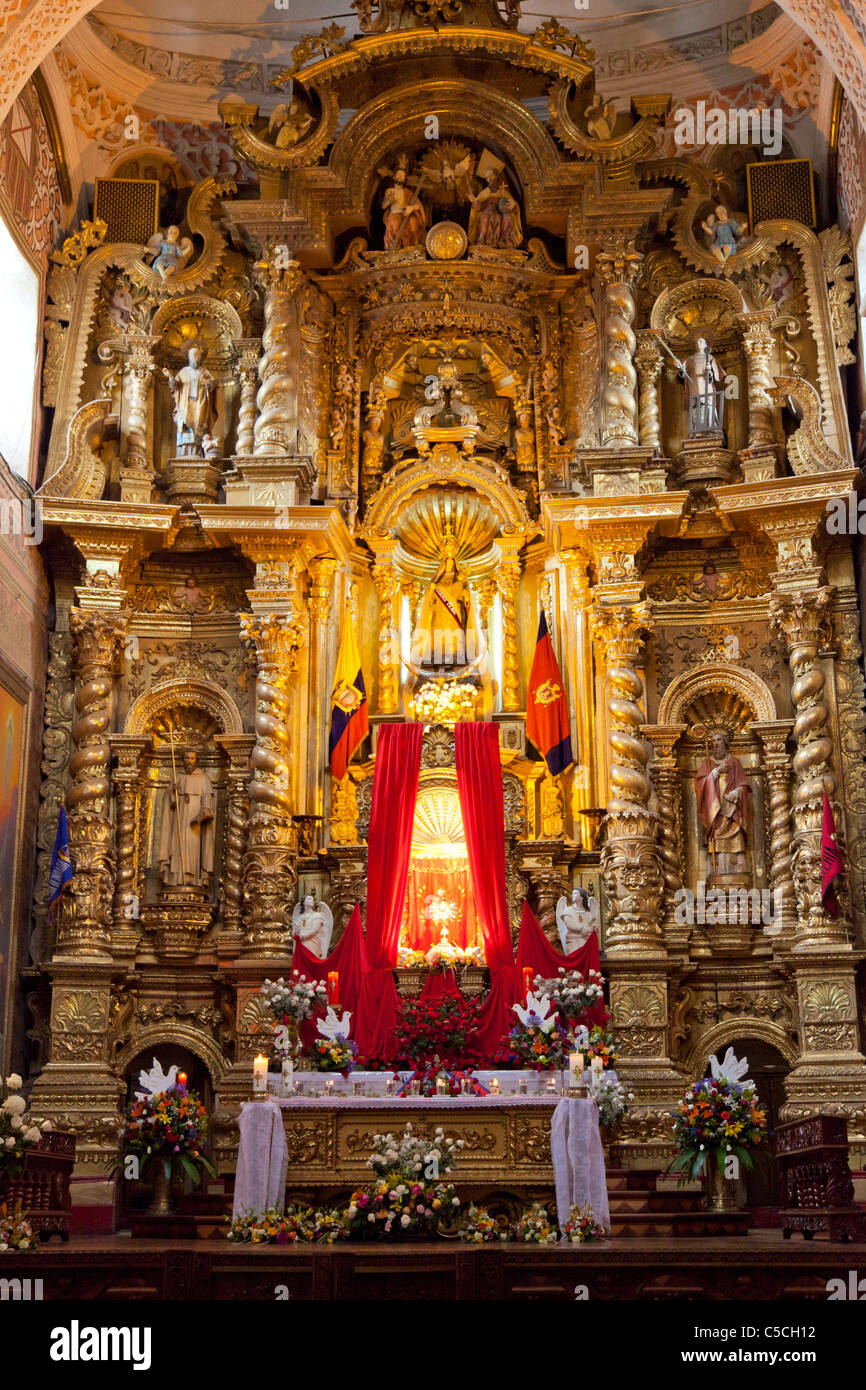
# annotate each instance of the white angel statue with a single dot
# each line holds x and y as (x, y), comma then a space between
(171, 251)
(730, 1071)
(576, 920)
(537, 1011)
(313, 924)
(155, 1081)
(332, 1027)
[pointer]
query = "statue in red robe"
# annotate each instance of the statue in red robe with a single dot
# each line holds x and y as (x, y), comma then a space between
(724, 800)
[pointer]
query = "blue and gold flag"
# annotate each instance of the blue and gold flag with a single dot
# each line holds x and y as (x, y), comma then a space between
(349, 716)
(61, 874)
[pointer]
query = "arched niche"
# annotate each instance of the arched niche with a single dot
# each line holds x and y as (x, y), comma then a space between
(153, 1042)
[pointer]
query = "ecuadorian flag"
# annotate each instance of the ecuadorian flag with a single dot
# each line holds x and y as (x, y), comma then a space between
(546, 709)
(61, 874)
(349, 719)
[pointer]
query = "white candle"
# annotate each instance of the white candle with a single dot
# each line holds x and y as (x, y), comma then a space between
(288, 1073)
(260, 1075)
(494, 1085)
(441, 1086)
(597, 1069)
(575, 1070)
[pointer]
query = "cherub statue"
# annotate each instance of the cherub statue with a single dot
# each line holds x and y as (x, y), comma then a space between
(210, 447)
(576, 920)
(289, 124)
(171, 251)
(313, 924)
(724, 232)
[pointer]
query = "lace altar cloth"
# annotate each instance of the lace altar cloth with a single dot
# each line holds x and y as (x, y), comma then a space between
(578, 1160)
(373, 1083)
(260, 1181)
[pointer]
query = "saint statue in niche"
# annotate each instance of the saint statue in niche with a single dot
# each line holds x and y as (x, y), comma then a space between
(194, 392)
(495, 216)
(405, 218)
(186, 841)
(724, 800)
(446, 635)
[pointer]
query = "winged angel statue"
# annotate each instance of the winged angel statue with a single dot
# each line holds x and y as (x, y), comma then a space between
(577, 920)
(170, 250)
(313, 923)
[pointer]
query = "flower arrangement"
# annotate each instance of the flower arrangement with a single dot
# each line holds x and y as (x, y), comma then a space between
(411, 960)
(170, 1126)
(16, 1233)
(535, 1226)
(716, 1117)
(571, 993)
(582, 1227)
(441, 1032)
(334, 1054)
(408, 1198)
(595, 1042)
(448, 957)
(289, 1227)
(479, 1227)
(19, 1131)
(411, 1156)
(298, 1000)
(612, 1100)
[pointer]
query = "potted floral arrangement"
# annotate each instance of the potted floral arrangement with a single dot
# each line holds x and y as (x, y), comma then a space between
(536, 1226)
(295, 1225)
(164, 1132)
(571, 993)
(582, 1227)
(19, 1132)
(16, 1233)
(408, 1197)
(337, 1053)
(292, 1003)
(718, 1115)
(478, 1227)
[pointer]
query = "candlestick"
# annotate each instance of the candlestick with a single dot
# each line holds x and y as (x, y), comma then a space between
(260, 1077)
(528, 977)
(333, 987)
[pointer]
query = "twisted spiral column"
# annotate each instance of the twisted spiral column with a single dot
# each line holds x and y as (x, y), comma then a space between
(268, 875)
(630, 859)
(507, 581)
(666, 781)
(777, 770)
(802, 620)
(248, 373)
(128, 751)
(84, 917)
(239, 748)
(648, 360)
(758, 344)
(618, 271)
(275, 427)
(387, 588)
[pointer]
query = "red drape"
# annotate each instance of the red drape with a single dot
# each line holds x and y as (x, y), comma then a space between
(389, 844)
(348, 958)
(534, 950)
(479, 782)
(440, 982)
(452, 876)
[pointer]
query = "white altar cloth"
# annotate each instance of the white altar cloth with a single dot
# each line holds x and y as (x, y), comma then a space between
(578, 1160)
(260, 1180)
(373, 1083)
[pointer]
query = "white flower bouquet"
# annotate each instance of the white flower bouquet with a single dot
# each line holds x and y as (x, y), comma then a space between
(19, 1131)
(412, 1157)
(299, 998)
(571, 992)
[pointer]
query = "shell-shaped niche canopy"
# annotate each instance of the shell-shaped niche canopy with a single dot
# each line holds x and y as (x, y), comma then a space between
(720, 709)
(456, 512)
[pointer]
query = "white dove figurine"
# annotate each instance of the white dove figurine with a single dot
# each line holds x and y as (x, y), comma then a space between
(155, 1081)
(332, 1027)
(537, 1008)
(730, 1070)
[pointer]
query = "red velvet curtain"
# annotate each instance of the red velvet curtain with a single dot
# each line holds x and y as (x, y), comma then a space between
(479, 782)
(348, 958)
(452, 876)
(534, 950)
(389, 844)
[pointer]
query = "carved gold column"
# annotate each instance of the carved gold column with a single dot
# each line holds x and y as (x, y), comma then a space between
(507, 582)
(618, 268)
(758, 344)
(774, 737)
(248, 375)
(125, 931)
(388, 588)
(84, 918)
(269, 876)
(238, 749)
(665, 775)
(648, 360)
(802, 619)
(321, 606)
(136, 475)
(274, 431)
(621, 621)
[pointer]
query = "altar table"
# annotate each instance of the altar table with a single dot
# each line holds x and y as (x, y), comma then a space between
(506, 1153)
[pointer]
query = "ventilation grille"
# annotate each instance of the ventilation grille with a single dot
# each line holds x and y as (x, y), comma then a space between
(782, 189)
(130, 207)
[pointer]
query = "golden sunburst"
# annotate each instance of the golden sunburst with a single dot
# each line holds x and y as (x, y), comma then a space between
(429, 517)
(437, 832)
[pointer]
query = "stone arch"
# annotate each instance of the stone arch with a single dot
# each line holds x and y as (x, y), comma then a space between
(199, 693)
(722, 676)
(183, 1034)
(717, 1038)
